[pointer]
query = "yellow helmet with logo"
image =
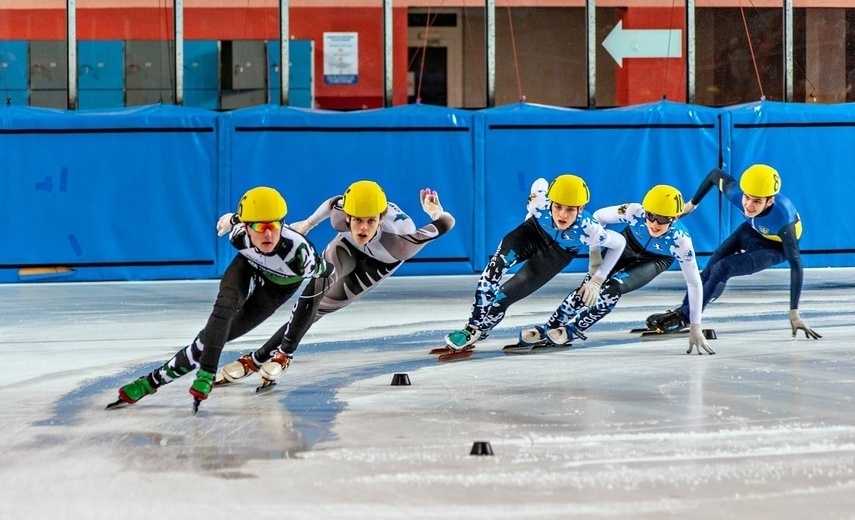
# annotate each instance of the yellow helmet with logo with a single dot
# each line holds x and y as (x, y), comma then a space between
(663, 200)
(364, 199)
(760, 180)
(569, 190)
(261, 204)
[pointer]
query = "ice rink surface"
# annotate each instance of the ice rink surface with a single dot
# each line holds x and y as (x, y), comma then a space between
(614, 427)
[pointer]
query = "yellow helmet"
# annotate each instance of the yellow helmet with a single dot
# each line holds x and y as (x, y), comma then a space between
(760, 180)
(364, 199)
(569, 190)
(663, 200)
(261, 204)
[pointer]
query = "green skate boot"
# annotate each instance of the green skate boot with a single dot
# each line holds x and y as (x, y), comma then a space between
(202, 384)
(133, 392)
(201, 387)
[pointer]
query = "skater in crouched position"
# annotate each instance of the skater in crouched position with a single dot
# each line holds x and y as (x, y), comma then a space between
(769, 237)
(654, 239)
(374, 238)
(272, 262)
(556, 229)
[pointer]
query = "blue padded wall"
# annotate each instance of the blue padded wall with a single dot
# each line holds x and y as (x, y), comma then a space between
(621, 153)
(124, 194)
(312, 155)
(134, 193)
(811, 147)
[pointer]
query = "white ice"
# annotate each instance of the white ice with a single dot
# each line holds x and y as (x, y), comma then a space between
(612, 428)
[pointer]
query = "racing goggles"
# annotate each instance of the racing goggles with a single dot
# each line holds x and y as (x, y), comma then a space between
(659, 219)
(261, 227)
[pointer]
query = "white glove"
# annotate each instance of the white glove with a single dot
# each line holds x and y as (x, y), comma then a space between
(697, 340)
(797, 323)
(688, 208)
(590, 291)
(537, 197)
(224, 225)
(595, 259)
(303, 227)
(430, 203)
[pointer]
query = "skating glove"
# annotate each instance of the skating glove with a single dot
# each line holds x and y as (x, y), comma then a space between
(430, 203)
(595, 259)
(797, 323)
(590, 291)
(537, 200)
(303, 227)
(697, 340)
(225, 224)
(688, 208)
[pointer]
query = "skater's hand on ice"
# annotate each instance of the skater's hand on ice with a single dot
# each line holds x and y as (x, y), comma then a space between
(430, 203)
(590, 291)
(688, 208)
(303, 226)
(224, 225)
(595, 259)
(697, 340)
(797, 323)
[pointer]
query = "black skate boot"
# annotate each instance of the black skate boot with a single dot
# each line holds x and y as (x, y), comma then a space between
(666, 322)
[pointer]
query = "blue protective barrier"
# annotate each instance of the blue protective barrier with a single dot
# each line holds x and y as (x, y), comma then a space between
(133, 194)
(125, 194)
(312, 155)
(621, 153)
(811, 147)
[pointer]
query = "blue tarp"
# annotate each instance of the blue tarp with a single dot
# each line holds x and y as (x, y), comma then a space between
(312, 155)
(621, 153)
(134, 193)
(120, 194)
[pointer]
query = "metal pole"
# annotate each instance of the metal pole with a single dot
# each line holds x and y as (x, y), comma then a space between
(284, 57)
(388, 36)
(691, 69)
(71, 46)
(178, 57)
(591, 41)
(788, 50)
(490, 34)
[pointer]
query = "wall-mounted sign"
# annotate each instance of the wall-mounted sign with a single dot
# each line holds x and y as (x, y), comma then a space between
(643, 43)
(341, 58)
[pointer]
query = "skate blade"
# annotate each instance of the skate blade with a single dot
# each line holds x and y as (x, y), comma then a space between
(117, 404)
(196, 402)
(517, 348)
(642, 330)
(460, 355)
(440, 350)
(223, 382)
(263, 389)
(659, 334)
(537, 348)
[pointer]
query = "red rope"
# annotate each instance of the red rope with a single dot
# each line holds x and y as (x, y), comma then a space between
(751, 48)
(428, 24)
(471, 41)
(514, 45)
(422, 66)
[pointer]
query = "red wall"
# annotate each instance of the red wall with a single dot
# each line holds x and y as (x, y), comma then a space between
(307, 23)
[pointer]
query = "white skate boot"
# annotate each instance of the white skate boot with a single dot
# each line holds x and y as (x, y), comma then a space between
(274, 368)
(237, 370)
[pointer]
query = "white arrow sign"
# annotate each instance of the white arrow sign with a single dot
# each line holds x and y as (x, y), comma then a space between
(643, 43)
